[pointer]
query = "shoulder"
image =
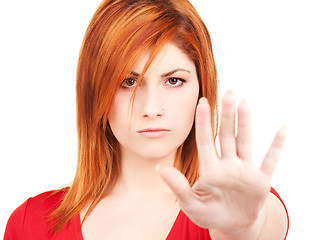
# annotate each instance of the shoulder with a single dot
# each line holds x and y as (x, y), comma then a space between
(33, 214)
(40, 205)
(49, 200)
(273, 191)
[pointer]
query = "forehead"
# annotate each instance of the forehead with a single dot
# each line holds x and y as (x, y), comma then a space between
(169, 58)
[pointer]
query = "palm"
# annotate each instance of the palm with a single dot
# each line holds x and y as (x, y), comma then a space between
(232, 193)
(231, 190)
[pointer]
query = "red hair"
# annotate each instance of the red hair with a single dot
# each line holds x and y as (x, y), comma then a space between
(119, 33)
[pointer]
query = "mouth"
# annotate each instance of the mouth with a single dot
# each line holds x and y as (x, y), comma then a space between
(153, 132)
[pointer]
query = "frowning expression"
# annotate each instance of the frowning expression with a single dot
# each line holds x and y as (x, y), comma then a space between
(163, 111)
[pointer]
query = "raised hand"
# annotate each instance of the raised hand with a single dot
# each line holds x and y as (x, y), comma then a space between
(231, 191)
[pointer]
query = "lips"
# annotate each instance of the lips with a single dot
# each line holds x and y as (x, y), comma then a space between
(153, 132)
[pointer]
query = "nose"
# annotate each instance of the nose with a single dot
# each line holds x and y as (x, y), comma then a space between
(152, 104)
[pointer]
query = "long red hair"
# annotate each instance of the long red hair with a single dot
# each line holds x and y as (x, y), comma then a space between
(119, 33)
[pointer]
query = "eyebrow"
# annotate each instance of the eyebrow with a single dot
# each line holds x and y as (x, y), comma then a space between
(165, 74)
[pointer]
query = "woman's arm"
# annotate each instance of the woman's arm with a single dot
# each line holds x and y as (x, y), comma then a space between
(271, 224)
(232, 196)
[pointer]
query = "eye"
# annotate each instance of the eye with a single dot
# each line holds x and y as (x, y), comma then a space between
(128, 83)
(175, 82)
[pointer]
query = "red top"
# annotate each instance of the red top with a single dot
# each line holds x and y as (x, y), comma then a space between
(29, 222)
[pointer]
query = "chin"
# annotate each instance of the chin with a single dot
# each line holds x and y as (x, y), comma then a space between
(156, 155)
(157, 152)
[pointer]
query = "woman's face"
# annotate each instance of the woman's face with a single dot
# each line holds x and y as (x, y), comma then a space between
(164, 105)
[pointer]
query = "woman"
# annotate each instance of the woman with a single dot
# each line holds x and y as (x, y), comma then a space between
(147, 121)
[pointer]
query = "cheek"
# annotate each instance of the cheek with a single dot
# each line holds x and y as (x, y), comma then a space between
(118, 116)
(185, 112)
(188, 113)
(189, 103)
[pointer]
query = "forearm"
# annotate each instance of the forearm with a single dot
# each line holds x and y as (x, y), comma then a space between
(271, 224)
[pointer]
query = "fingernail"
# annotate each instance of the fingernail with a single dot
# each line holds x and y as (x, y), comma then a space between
(243, 101)
(229, 92)
(203, 99)
(284, 128)
(282, 131)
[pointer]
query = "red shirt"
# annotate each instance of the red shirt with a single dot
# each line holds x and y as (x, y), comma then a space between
(29, 222)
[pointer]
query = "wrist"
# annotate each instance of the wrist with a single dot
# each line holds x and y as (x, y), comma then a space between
(251, 232)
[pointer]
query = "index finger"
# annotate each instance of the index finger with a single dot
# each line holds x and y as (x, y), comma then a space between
(204, 135)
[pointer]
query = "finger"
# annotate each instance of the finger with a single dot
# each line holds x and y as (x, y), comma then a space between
(227, 127)
(178, 184)
(269, 163)
(244, 138)
(204, 135)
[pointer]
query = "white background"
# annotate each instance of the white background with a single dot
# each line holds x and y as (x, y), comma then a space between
(264, 52)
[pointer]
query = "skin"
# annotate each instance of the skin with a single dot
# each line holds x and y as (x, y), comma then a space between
(141, 194)
(230, 188)
(159, 102)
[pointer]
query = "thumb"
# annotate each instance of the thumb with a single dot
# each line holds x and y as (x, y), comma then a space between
(178, 184)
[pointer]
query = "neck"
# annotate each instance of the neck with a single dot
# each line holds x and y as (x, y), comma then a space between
(139, 174)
